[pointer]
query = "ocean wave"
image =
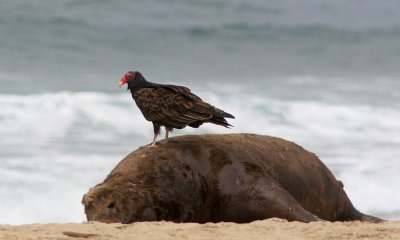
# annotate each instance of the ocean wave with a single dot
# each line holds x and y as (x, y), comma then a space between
(54, 115)
(320, 34)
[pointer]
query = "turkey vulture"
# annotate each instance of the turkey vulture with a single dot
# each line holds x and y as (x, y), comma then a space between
(171, 106)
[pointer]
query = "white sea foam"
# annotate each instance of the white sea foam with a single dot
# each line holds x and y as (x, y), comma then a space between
(48, 187)
(57, 115)
(54, 146)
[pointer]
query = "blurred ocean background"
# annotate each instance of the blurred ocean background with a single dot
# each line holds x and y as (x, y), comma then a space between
(324, 74)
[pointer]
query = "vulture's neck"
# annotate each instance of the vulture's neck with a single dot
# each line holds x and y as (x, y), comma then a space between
(138, 83)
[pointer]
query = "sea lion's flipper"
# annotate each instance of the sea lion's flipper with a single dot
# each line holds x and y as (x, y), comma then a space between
(259, 197)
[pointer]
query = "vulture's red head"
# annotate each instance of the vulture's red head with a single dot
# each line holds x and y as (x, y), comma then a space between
(129, 76)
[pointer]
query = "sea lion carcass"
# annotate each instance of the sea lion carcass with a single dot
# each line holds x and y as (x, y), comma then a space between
(212, 178)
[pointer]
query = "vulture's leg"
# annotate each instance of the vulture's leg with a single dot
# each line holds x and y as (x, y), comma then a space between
(167, 130)
(156, 128)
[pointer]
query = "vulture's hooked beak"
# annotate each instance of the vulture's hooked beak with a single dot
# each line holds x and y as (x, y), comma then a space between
(122, 82)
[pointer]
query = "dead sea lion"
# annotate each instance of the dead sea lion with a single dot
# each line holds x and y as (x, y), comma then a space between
(212, 178)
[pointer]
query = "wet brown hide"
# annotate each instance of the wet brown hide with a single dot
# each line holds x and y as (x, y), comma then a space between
(213, 178)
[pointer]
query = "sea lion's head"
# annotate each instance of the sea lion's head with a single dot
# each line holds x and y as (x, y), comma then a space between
(110, 205)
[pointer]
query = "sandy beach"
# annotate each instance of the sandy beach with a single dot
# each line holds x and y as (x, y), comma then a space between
(266, 229)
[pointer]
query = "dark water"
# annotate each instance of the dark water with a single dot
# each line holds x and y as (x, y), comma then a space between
(62, 44)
